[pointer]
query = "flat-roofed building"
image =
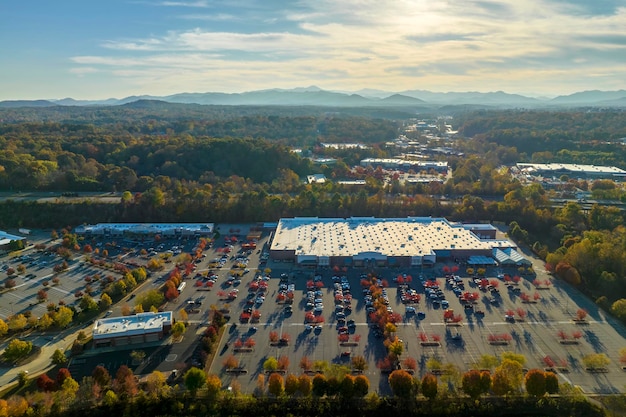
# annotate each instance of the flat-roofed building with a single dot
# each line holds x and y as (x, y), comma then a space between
(573, 170)
(404, 164)
(131, 330)
(146, 229)
(369, 241)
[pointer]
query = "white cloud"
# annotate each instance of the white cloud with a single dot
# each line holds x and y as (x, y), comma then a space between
(401, 44)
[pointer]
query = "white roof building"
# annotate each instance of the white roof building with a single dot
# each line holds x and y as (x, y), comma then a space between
(572, 169)
(146, 228)
(134, 329)
(375, 238)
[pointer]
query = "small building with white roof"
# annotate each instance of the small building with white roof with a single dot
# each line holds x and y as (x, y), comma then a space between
(131, 330)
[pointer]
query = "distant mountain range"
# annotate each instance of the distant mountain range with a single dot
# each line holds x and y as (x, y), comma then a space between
(314, 96)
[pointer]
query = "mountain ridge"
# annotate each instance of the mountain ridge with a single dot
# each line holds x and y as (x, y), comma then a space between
(315, 96)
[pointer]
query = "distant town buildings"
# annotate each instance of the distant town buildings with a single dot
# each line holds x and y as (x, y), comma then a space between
(345, 146)
(404, 164)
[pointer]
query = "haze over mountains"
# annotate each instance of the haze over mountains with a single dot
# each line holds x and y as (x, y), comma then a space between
(314, 96)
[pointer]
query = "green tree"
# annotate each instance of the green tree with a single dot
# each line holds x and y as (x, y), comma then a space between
(275, 385)
(88, 304)
(138, 356)
(515, 357)
(63, 317)
(109, 399)
(105, 302)
(270, 364)
(402, 384)
(151, 298)
(596, 361)
(618, 309)
(535, 382)
(17, 349)
(194, 380)
(178, 329)
(58, 357)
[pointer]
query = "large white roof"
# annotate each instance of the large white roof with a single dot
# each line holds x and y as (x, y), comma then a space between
(146, 227)
(412, 236)
(131, 325)
(574, 168)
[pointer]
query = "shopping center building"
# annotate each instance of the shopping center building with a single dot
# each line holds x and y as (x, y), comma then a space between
(370, 241)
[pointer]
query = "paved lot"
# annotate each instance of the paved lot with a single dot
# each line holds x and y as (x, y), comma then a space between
(536, 337)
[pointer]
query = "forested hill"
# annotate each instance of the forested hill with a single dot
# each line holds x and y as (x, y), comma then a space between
(162, 111)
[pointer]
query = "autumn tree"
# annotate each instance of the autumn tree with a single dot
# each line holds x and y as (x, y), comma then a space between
(305, 385)
(291, 384)
(101, 376)
(402, 384)
(213, 386)
(63, 317)
(125, 384)
(105, 302)
(507, 377)
(306, 363)
(17, 322)
(17, 349)
(429, 386)
(4, 328)
(475, 383)
(319, 385)
(283, 362)
(275, 385)
(552, 383)
(359, 363)
(535, 382)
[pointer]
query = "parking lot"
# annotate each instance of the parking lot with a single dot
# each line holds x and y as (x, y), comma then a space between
(536, 332)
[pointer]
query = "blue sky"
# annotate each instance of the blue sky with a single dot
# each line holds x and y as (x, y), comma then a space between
(94, 49)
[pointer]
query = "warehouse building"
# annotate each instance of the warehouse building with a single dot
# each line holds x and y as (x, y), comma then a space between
(573, 171)
(131, 330)
(146, 229)
(369, 241)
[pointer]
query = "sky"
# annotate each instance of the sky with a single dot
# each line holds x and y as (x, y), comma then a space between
(98, 49)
